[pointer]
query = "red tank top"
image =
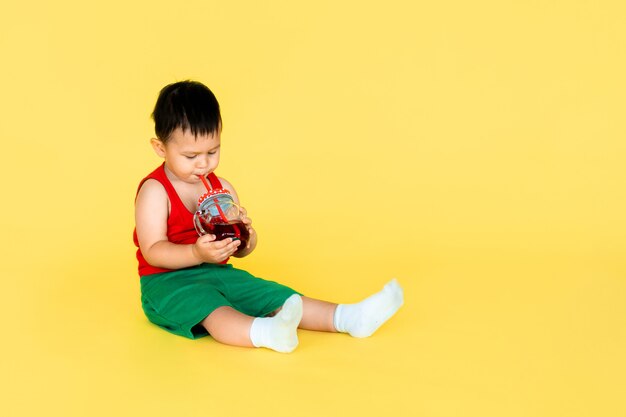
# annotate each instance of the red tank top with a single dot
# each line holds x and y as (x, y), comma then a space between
(180, 227)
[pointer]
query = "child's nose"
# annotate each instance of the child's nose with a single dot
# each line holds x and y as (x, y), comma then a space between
(202, 161)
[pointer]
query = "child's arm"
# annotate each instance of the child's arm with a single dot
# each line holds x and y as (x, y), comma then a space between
(151, 213)
(246, 220)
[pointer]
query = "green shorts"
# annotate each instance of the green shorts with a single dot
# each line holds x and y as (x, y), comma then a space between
(178, 301)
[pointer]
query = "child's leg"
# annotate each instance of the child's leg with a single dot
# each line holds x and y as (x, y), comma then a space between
(229, 326)
(279, 333)
(360, 319)
(317, 315)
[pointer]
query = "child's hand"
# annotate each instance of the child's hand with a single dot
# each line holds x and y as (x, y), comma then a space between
(248, 223)
(207, 249)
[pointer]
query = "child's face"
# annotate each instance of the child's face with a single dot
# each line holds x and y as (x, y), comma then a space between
(187, 156)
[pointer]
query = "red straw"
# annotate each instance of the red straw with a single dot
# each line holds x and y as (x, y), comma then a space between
(219, 209)
(206, 184)
(222, 215)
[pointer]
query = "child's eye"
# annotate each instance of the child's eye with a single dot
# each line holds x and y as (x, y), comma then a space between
(190, 157)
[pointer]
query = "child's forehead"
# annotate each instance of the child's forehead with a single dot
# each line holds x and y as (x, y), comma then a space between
(187, 139)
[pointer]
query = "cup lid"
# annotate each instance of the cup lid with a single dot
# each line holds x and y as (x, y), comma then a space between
(213, 193)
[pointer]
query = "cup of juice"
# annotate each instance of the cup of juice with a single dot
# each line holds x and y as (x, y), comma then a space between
(219, 215)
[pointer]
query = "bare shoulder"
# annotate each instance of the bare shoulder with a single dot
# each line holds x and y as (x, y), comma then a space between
(152, 200)
(227, 185)
(151, 189)
(151, 213)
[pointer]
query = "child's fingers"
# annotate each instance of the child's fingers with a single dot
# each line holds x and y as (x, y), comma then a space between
(227, 244)
(206, 238)
(251, 232)
(229, 249)
(216, 251)
(222, 244)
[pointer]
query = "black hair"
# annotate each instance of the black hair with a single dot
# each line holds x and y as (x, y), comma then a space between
(189, 105)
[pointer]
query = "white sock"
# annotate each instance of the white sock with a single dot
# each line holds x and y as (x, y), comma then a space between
(279, 333)
(364, 318)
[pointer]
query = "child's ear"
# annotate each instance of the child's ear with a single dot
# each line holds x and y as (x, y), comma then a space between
(158, 146)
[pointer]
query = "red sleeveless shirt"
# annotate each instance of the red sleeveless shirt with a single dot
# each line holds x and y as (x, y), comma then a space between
(180, 227)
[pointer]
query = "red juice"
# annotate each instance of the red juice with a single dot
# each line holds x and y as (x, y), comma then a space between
(234, 229)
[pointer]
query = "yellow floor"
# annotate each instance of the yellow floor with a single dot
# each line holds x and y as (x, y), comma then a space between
(473, 150)
(521, 338)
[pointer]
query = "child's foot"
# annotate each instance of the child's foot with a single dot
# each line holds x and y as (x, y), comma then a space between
(364, 318)
(279, 333)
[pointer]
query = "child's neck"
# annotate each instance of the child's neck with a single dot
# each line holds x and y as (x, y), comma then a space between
(189, 193)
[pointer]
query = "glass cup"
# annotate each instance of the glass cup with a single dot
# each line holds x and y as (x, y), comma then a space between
(219, 215)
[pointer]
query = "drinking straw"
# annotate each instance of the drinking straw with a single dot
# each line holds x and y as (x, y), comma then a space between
(222, 215)
(206, 184)
(219, 209)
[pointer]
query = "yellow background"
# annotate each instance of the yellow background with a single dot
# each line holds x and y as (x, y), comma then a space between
(474, 150)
